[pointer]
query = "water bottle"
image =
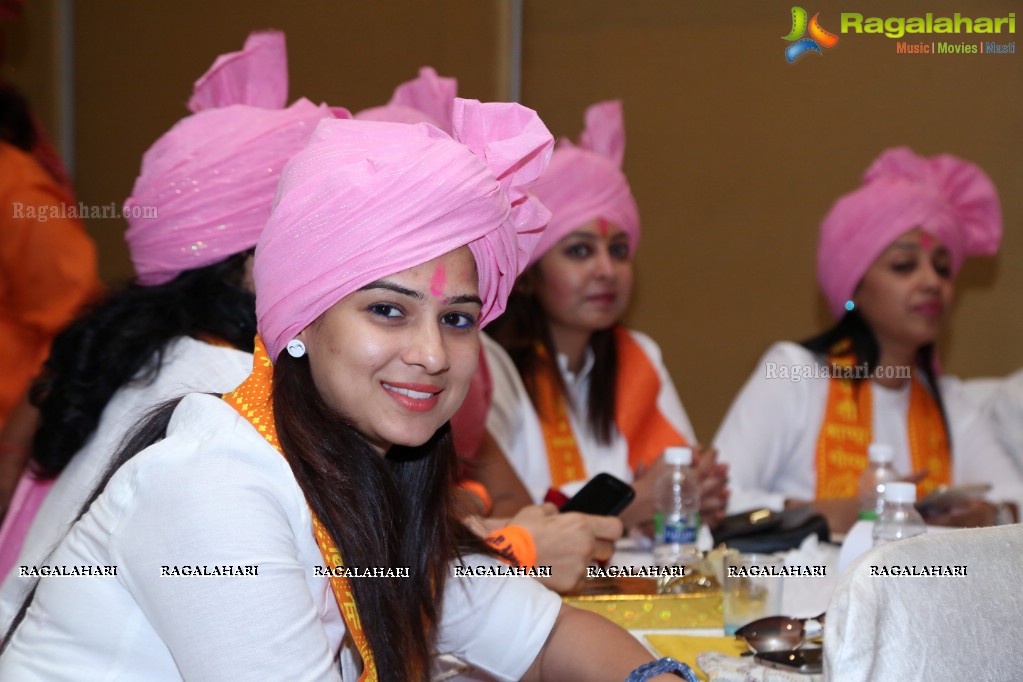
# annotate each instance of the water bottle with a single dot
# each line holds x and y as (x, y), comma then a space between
(677, 500)
(899, 519)
(876, 477)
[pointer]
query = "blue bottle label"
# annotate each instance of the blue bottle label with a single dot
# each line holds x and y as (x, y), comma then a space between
(679, 533)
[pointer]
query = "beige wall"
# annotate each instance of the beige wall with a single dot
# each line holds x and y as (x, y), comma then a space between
(734, 155)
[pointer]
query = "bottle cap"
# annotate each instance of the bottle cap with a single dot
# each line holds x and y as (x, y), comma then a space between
(900, 492)
(881, 453)
(678, 456)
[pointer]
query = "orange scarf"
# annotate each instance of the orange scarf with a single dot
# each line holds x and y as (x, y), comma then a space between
(846, 433)
(637, 418)
(253, 400)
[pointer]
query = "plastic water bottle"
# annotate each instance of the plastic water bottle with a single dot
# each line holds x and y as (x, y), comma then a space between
(899, 519)
(876, 477)
(677, 500)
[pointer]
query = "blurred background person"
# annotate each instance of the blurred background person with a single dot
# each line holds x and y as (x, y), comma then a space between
(888, 256)
(576, 393)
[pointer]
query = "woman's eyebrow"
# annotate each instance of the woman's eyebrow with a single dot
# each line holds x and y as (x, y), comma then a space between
(391, 286)
(466, 298)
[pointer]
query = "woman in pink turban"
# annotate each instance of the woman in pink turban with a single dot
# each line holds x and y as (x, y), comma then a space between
(314, 501)
(576, 393)
(187, 322)
(889, 252)
(497, 502)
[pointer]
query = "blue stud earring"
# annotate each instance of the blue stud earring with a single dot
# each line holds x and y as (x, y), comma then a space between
(849, 305)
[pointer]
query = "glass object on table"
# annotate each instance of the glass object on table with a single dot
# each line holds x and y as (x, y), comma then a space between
(752, 589)
(876, 477)
(899, 518)
(677, 496)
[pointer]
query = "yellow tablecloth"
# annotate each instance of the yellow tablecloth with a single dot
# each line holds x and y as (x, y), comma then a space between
(686, 648)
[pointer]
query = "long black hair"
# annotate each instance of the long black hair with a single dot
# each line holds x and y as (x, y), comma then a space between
(122, 339)
(396, 510)
(853, 335)
(523, 331)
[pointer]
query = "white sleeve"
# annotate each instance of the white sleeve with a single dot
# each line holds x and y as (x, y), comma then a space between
(1006, 410)
(505, 414)
(668, 401)
(499, 624)
(762, 429)
(977, 454)
(208, 508)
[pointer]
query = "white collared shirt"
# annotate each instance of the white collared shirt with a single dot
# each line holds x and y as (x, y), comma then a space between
(515, 425)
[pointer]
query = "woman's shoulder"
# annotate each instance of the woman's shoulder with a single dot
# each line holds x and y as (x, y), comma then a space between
(789, 351)
(210, 447)
(646, 342)
(206, 361)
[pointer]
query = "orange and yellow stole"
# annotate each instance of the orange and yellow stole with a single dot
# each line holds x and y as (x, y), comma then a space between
(253, 400)
(846, 433)
(637, 418)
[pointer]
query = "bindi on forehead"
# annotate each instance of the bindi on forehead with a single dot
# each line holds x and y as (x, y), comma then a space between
(927, 241)
(603, 227)
(438, 280)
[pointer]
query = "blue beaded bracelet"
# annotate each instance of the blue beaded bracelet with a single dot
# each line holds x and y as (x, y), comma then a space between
(659, 667)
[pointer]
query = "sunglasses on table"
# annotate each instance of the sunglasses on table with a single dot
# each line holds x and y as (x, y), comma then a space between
(775, 633)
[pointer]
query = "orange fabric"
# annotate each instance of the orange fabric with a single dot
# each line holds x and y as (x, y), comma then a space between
(253, 400)
(639, 421)
(847, 432)
(480, 492)
(514, 545)
(47, 270)
(636, 415)
(565, 461)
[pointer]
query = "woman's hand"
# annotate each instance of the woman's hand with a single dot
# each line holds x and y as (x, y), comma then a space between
(713, 478)
(965, 514)
(840, 513)
(569, 542)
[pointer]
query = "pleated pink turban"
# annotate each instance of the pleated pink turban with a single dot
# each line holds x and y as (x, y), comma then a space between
(586, 182)
(426, 99)
(951, 199)
(365, 200)
(211, 178)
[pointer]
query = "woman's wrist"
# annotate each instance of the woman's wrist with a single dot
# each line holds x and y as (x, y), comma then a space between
(662, 666)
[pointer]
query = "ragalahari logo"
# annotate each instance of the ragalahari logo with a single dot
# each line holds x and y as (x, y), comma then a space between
(819, 37)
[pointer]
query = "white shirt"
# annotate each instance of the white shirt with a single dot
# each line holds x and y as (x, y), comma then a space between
(215, 493)
(769, 436)
(188, 366)
(1002, 400)
(515, 425)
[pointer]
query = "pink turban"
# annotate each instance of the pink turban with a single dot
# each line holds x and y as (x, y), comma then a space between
(426, 99)
(586, 183)
(365, 200)
(951, 199)
(210, 179)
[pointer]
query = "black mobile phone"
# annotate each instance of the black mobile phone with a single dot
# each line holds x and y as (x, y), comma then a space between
(800, 660)
(603, 495)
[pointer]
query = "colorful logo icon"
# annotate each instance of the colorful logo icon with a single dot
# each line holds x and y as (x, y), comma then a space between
(819, 37)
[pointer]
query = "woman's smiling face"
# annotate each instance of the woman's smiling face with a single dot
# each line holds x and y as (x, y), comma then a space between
(395, 357)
